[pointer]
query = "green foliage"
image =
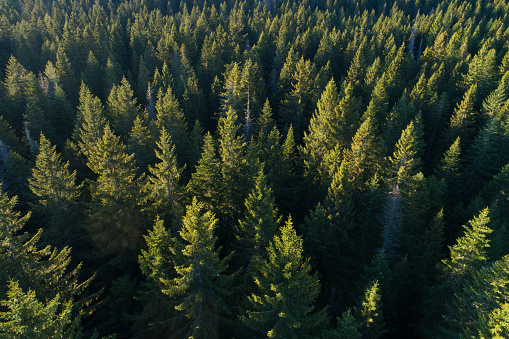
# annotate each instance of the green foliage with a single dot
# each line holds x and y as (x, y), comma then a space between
(282, 306)
(55, 189)
(260, 222)
(164, 190)
(122, 109)
(29, 318)
(201, 285)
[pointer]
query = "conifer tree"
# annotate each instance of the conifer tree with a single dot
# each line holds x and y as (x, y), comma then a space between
(205, 183)
(370, 313)
(363, 159)
(171, 117)
(463, 118)
(282, 306)
(297, 104)
(44, 270)
(470, 251)
(324, 131)
(233, 166)
(158, 264)
(27, 317)
(164, 190)
(201, 285)
(260, 221)
(114, 220)
(90, 121)
(141, 143)
(122, 109)
(56, 191)
(405, 161)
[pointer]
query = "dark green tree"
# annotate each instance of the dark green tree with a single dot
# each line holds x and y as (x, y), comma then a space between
(56, 192)
(27, 317)
(282, 306)
(201, 285)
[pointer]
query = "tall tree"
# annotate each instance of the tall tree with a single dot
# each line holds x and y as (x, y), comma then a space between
(56, 192)
(260, 221)
(27, 317)
(201, 285)
(122, 109)
(171, 117)
(282, 306)
(114, 219)
(164, 189)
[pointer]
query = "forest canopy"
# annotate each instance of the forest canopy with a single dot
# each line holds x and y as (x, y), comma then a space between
(277, 168)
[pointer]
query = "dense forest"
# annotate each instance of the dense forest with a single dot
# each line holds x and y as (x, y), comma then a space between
(254, 169)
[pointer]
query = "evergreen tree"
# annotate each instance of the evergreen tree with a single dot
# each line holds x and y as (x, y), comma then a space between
(114, 219)
(163, 187)
(56, 191)
(44, 270)
(282, 305)
(171, 117)
(363, 159)
(405, 161)
(90, 121)
(260, 222)
(233, 165)
(122, 109)
(205, 183)
(141, 144)
(370, 313)
(200, 287)
(297, 104)
(30, 318)
(325, 128)
(158, 264)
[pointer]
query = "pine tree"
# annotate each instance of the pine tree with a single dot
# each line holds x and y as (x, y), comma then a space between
(260, 221)
(56, 191)
(201, 285)
(171, 117)
(90, 121)
(405, 161)
(164, 189)
(205, 183)
(297, 104)
(463, 118)
(325, 128)
(282, 306)
(158, 263)
(122, 109)
(141, 144)
(114, 219)
(44, 270)
(233, 165)
(363, 159)
(469, 253)
(27, 317)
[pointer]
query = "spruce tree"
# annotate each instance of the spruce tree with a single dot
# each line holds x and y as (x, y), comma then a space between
(114, 219)
(363, 159)
(282, 305)
(164, 190)
(44, 270)
(90, 121)
(370, 313)
(201, 285)
(205, 183)
(56, 192)
(122, 109)
(27, 317)
(260, 221)
(171, 117)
